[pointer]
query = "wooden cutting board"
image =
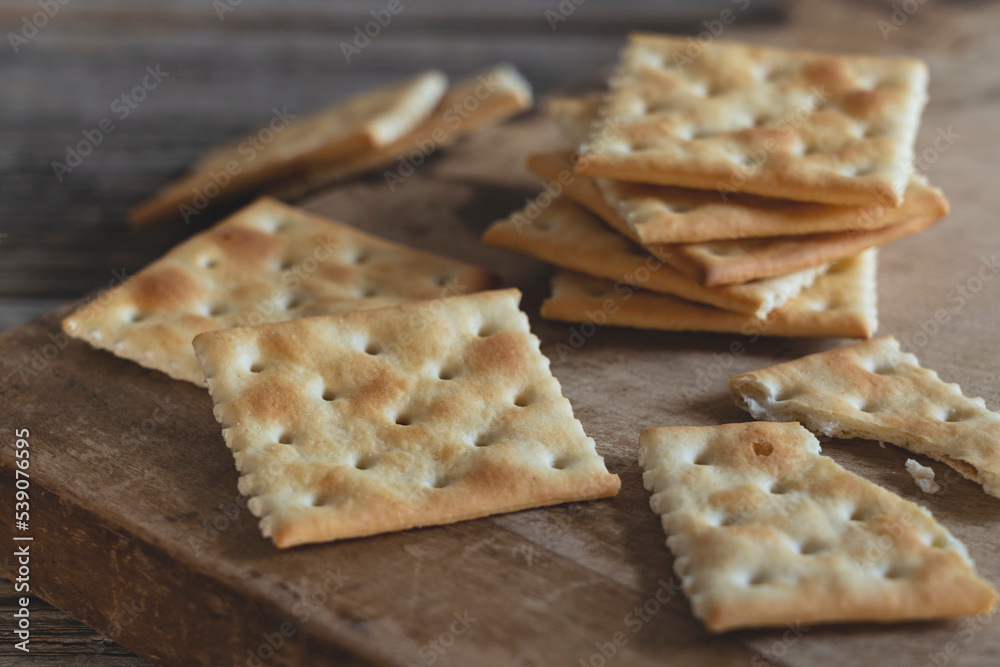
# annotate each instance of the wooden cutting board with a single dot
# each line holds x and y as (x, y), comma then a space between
(138, 527)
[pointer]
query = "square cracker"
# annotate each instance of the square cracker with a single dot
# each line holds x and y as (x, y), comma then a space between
(797, 125)
(268, 262)
(766, 531)
(652, 214)
(876, 391)
(841, 303)
(568, 236)
(483, 99)
(387, 419)
(714, 263)
(360, 123)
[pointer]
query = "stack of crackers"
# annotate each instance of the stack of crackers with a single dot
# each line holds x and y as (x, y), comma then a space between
(396, 127)
(744, 189)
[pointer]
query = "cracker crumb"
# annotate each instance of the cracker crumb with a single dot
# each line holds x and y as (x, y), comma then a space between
(922, 475)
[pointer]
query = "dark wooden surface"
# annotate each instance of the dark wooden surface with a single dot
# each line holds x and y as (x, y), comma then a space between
(64, 239)
(135, 512)
(58, 640)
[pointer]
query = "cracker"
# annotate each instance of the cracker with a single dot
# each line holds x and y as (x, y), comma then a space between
(878, 392)
(714, 263)
(766, 531)
(840, 303)
(268, 262)
(799, 125)
(360, 123)
(652, 215)
(566, 235)
(660, 214)
(382, 420)
(483, 99)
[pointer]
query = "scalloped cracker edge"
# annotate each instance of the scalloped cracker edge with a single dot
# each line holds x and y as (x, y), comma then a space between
(766, 531)
(383, 420)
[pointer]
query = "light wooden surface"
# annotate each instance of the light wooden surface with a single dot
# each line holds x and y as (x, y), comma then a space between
(121, 503)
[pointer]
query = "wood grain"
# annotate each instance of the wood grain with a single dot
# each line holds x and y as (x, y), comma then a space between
(57, 641)
(130, 469)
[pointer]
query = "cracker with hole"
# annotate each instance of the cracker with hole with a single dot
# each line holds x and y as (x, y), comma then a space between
(654, 215)
(841, 303)
(394, 418)
(766, 531)
(355, 125)
(715, 263)
(876, 391)
(568, 236)
(483, 99)
(268, 262)
(801, 125)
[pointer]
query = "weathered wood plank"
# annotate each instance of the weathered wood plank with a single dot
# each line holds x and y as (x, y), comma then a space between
(57, 640)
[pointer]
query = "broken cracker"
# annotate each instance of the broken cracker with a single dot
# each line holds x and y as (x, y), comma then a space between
(802, 125)
(841, 303)
(876, 391)
(382, 420)
(766, 531)
(267, 262)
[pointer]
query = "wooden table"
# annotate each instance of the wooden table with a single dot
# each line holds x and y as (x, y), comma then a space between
(66, 238)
